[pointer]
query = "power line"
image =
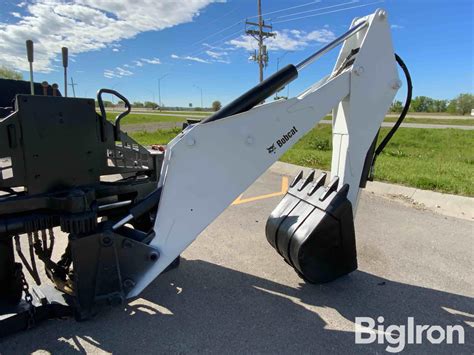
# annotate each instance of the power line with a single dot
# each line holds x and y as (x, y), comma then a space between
(214, 43)
(223, 39)
(216, 33)
(289, 8)
(225, 15)
(318, 9)
(329, 12)
(242, 21)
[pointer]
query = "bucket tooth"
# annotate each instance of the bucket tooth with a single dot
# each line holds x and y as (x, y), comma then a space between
(308, 180)
(314, 231)
(317, 184)
(332, 187)
(297, 179)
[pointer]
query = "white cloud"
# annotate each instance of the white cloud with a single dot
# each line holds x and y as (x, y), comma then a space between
(151, 61)
(109, 74)
(225, 61)
(216, 55)
(396, 27)
(115, 50)
(86, 25)
(289, 40)
(187, 57)
(15, 14)
(118, 72)
(228, 48)
(123, 72)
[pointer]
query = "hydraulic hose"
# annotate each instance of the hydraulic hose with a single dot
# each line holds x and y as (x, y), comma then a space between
(400, 119)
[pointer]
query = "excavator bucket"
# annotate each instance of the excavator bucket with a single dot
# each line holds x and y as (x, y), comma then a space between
(312, 228)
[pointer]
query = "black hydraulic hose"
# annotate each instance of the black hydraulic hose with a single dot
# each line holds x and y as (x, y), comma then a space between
(404, 112)
(144, 206)
(257, 94)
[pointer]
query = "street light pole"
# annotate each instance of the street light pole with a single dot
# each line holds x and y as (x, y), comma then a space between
(278, 66)
(200, 88)
(159, 88)
(152, 94)
(281, 57)
(112, 97)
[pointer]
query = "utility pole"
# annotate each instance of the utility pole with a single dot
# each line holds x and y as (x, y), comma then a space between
(73, 85)
(257, 32)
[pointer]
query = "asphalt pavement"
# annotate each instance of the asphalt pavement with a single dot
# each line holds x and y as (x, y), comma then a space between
(233, 294)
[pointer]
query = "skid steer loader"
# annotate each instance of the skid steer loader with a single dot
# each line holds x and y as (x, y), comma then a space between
(129, 213)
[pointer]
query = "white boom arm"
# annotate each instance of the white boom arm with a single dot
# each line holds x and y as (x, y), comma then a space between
(208, 165)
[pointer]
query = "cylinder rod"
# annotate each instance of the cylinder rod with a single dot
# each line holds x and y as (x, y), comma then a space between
(331, 45)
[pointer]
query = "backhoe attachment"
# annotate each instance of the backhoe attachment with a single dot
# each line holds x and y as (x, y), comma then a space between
(127, 213)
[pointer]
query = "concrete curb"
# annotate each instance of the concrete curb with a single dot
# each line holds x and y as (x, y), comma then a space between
(445, 204)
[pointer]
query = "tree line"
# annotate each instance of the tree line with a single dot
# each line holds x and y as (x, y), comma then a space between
(7, 73)
(216, 106)
(461, 105)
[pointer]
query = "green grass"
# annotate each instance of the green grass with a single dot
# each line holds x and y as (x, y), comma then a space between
(427, 120)
(137, 118)
(193, 113)
(431, 159)
(161, 136)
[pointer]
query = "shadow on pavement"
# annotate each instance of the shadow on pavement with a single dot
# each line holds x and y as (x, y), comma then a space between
(204, 307)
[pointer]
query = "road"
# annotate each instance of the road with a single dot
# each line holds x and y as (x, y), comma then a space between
(419, 125)
(433, 116)
(189, 114)
(233, 294)
(411, 114)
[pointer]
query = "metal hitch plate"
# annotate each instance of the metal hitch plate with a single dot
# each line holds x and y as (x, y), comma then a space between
(312, 228)
(107, 266)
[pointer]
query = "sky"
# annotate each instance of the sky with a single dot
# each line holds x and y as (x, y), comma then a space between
(178, 49)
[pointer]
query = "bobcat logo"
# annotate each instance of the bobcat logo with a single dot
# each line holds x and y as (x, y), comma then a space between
(284, 139)
(272, 149)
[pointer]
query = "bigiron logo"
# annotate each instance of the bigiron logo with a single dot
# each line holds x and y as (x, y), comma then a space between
(280, 142)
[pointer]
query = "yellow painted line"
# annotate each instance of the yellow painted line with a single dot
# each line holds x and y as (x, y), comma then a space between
(284, 189)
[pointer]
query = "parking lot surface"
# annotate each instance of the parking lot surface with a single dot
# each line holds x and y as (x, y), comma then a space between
(234, 294)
